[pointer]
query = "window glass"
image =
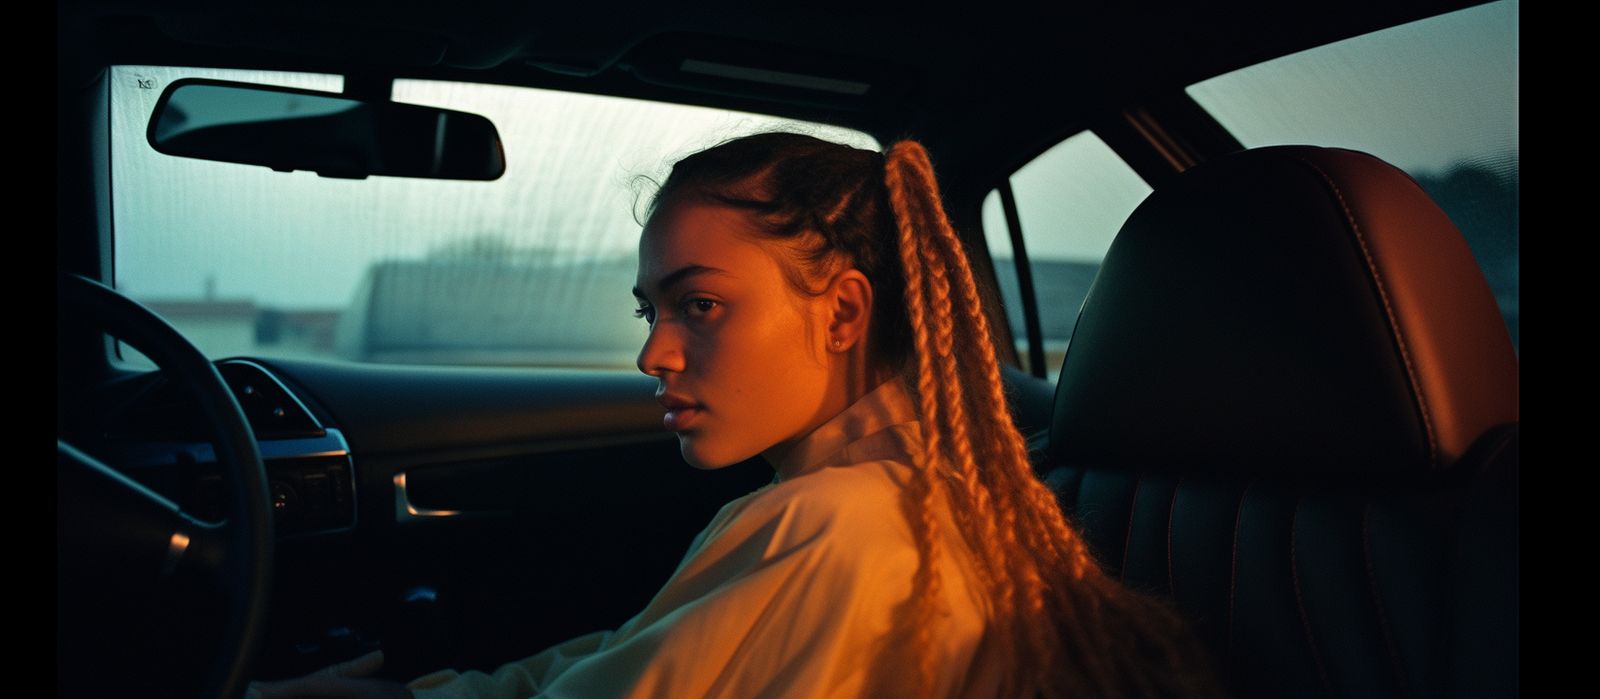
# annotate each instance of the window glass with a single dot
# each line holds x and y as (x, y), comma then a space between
(1436, 98)
(532, 269)
(1071, 201)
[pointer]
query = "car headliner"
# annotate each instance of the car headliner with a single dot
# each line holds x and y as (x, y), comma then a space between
(949, 80)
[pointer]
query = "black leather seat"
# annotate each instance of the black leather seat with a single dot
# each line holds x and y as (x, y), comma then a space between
(1290, 404)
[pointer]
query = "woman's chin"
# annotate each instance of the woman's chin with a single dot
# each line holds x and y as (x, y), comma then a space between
(699, 457)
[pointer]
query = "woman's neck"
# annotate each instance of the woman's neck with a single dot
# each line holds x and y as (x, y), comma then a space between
(853, 378)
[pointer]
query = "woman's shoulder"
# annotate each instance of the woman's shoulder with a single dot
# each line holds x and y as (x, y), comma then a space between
(862, 500)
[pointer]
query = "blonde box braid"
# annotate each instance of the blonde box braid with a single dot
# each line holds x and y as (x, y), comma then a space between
(1045, 588)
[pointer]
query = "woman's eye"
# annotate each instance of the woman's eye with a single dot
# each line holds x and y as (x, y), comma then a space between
(699, 306)
(692, 307)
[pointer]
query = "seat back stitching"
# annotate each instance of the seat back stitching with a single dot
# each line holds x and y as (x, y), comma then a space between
(1233, 566)
(1127, 538)
(1172, 512)
(1299, 600)
(1377, 599)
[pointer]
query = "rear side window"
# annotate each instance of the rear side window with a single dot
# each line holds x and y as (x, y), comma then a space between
(1436, 98)
(1071, 200)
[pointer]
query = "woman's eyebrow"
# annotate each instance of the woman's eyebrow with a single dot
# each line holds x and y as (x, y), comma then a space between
(680, 276)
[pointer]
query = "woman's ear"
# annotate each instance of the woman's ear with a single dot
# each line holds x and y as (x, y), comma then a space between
(849, 309)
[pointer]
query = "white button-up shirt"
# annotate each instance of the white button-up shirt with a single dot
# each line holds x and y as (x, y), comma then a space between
(790, 591)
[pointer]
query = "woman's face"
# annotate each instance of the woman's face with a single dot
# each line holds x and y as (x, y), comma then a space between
(740, 369)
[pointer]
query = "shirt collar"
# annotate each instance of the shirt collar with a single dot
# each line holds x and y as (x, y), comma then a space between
(859, 433)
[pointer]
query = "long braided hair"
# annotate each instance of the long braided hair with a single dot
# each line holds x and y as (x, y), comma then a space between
(1071, 629)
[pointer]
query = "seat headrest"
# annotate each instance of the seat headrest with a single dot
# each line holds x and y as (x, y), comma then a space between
(1289, 309)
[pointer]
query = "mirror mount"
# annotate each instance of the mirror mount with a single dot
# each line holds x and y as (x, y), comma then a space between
(369, 87)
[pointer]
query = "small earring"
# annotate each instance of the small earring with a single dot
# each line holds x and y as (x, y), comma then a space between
(836, 343)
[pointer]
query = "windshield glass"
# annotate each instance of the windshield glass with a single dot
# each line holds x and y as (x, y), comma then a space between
(533, 269)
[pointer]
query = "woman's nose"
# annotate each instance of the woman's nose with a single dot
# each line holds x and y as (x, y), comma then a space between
(662, 351)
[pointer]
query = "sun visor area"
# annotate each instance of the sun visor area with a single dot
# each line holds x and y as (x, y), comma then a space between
(764, 70)
(310, 36)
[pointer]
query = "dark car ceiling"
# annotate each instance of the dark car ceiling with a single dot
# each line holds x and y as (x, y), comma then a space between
(987, 88)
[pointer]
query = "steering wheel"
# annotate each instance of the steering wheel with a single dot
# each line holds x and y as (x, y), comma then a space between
(118, 542)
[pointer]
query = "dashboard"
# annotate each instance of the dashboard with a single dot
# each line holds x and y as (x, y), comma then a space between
(146, 428)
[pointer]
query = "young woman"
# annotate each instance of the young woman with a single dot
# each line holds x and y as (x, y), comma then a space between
(810, 303)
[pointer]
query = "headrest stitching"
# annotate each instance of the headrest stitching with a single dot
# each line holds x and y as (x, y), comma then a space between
(1388, 309)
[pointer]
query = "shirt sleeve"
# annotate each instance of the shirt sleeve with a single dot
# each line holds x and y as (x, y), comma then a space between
(514, 680)
(789, 593)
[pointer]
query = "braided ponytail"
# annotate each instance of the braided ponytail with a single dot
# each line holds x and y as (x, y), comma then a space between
(928, 241)
(1045, 588)
(1070, 628)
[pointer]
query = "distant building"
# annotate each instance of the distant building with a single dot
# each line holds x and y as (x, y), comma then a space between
(491, 311)
(298, 333)
(220, 328)
(229, 328)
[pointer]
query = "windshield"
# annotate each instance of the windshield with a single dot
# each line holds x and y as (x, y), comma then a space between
(533, 269)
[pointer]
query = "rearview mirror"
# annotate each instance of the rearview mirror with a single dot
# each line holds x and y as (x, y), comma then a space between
(332, 135)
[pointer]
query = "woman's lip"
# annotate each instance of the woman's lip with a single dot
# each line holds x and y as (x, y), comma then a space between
(679, 419)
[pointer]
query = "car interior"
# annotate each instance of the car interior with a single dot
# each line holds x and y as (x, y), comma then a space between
(1282, 392)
